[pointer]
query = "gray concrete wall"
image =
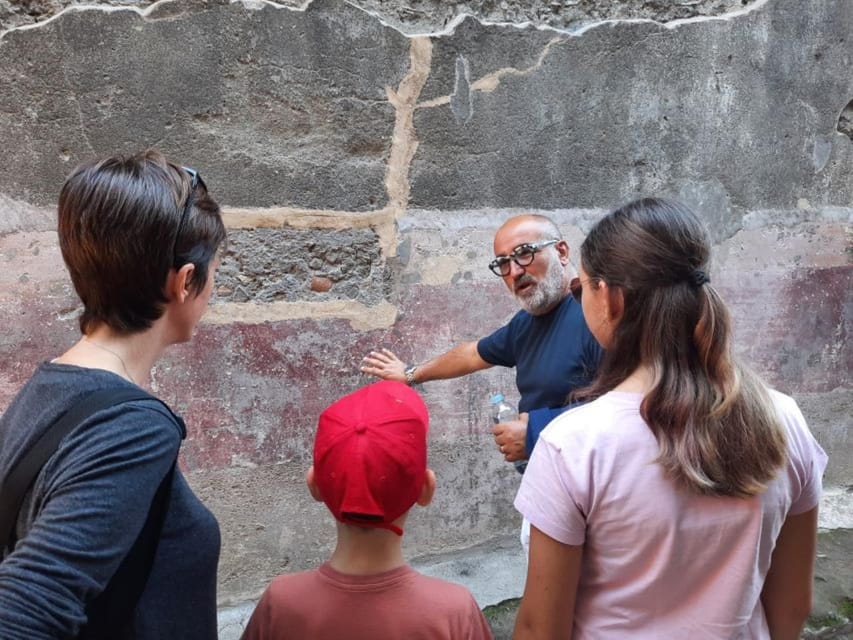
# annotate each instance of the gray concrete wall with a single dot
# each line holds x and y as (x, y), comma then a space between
(366, 154)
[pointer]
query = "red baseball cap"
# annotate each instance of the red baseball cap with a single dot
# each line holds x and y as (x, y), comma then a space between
(370, 454)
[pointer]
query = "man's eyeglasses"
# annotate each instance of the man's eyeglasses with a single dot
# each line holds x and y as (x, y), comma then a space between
(195, 181)
(522, 255)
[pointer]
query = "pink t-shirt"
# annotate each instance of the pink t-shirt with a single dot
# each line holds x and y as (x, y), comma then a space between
(659, 562)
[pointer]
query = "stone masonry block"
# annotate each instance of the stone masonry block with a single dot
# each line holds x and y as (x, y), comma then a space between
(267, 265)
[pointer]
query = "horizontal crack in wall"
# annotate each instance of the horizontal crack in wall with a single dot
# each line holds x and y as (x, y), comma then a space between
(569, 19)
(572, 22)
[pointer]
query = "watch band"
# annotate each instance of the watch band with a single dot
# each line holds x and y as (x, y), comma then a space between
(410, 374)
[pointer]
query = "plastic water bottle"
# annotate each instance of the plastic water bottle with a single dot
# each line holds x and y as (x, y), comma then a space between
(502, 411)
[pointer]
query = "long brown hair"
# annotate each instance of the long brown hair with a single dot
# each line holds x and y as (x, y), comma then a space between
(717, 428)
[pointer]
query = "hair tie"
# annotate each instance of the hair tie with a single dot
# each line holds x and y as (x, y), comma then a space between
(698, 277)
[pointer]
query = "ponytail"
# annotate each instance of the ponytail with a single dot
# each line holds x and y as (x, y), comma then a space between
(716, 426)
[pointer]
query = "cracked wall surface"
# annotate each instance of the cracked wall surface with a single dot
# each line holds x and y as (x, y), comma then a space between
(365, 153)
(722, 119)
(431, 15)
(285, 114)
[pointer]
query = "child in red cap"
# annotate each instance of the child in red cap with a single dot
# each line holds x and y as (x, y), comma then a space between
(369, 469)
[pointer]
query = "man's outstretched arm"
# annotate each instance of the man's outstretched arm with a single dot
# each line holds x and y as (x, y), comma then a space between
(459, 361)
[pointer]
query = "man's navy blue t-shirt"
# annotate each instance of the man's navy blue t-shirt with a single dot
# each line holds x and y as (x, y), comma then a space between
(553, 354)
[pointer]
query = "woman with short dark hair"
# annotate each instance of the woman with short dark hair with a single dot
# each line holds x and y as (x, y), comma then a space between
(110, 541)
(681, 501)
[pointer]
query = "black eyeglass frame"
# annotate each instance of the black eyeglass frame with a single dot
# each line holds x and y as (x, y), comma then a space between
(195, 181)
(519, 256)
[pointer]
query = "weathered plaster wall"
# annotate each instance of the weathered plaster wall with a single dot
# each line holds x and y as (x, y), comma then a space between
(364, 169)
(422, 16)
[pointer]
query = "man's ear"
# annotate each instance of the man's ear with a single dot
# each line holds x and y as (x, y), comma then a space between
(428, 490)
(178, 283)
(312, 484)
(563, 251)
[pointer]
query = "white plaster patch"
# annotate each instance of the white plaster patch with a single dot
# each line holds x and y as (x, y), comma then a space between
(439, 270)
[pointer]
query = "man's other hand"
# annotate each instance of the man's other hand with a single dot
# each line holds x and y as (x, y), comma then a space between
(510, 438)
(384, 364)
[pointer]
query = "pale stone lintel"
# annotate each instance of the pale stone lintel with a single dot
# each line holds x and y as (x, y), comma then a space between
(360, 317)
(382, 221)
(278, 217)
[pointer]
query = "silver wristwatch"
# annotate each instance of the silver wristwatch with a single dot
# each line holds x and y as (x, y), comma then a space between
(410, 374)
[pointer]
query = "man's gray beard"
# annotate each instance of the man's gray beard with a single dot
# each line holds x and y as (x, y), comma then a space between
(547, 293)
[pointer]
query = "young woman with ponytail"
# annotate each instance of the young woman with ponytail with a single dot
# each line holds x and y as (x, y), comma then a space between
(681, 500)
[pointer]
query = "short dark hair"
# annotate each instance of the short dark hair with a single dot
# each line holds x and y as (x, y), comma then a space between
(120, 233)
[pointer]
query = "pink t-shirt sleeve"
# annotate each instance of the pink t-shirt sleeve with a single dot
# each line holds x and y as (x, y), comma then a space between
(808, 459)
(479, 629)
(261, 622)
(551, 495)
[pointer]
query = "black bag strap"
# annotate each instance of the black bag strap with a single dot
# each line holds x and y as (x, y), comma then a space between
(24, 473)
(112, 609)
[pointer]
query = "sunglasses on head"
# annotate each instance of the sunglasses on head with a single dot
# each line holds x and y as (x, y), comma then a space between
(195, 181)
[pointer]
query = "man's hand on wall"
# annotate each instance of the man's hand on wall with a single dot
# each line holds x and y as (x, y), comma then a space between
(384, 364)
(510, 438)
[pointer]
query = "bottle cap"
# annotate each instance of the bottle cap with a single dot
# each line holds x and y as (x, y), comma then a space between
(496, 398)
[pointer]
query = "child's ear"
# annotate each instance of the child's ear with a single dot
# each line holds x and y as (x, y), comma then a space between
(428, 489)
(312, 484)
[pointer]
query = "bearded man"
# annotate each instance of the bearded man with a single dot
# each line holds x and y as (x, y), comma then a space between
(547, 341)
